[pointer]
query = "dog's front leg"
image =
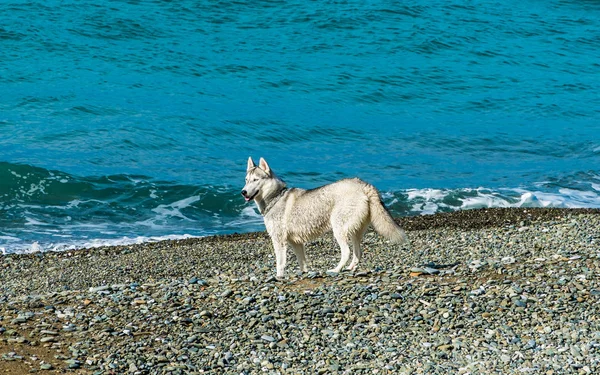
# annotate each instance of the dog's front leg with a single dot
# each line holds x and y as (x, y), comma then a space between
(280, 257)
(300, 255)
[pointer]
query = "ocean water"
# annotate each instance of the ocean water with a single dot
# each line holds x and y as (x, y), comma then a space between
(131, 121)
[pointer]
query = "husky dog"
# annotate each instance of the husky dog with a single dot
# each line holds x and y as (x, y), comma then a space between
(296, 216)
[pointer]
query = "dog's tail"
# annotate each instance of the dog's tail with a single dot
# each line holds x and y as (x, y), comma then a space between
(382, 221)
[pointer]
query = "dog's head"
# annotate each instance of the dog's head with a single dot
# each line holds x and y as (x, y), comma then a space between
(257, 179)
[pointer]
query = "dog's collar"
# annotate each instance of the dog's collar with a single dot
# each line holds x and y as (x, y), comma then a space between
(274, 201)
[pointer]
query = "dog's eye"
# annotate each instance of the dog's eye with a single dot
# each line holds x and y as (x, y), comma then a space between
(255, 179)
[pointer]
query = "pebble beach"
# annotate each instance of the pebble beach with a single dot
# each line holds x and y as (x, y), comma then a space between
(490, 291)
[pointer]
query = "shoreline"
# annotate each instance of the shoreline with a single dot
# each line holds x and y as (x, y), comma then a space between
(211, 304)
(463, 219)
(468, 220)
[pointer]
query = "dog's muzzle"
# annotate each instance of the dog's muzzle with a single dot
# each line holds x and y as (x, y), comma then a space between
(246, 197)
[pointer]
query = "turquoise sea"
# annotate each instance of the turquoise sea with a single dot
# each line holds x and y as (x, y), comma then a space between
(130, 121)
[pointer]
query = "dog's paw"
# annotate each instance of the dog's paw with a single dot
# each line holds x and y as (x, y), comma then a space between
(332, 272)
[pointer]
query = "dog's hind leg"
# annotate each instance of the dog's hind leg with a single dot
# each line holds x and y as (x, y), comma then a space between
(356, 250)
(300, 255)
(342, 239)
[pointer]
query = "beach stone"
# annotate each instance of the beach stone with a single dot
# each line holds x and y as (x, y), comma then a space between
(19, 319)
(425, 270)
(48, 333)
(73, 363)
(248, 300)
(520, 303)
(533, 313)
(98, 289)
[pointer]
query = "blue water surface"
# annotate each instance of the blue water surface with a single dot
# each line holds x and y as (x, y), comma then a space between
(133, 120)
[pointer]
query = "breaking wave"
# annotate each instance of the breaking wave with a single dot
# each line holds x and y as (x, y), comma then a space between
(45, 210)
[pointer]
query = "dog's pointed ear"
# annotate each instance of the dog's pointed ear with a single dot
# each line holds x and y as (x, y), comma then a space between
(250, 163)
(262, 164)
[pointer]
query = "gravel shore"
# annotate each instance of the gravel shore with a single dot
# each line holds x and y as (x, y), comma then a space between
(495, 291)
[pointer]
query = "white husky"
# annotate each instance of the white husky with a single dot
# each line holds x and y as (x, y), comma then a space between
(296, 216)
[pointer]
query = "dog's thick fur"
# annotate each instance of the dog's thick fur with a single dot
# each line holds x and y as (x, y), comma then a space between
(296, 216)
